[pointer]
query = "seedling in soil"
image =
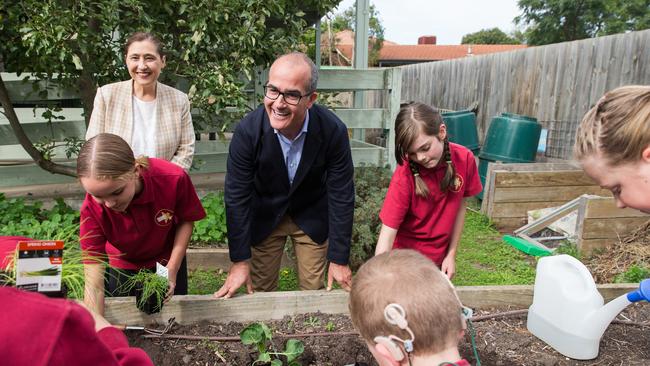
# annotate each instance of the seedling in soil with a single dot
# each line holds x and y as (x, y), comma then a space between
(212, 346)
(259, 334)
(150, 290)
(312, 321)
(330, 326)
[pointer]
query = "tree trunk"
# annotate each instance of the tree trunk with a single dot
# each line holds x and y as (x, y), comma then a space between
(87, 83)
(36, 155)
(87, 90)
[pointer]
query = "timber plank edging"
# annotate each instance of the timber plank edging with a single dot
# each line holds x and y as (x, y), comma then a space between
(264, 306)
(219, 258)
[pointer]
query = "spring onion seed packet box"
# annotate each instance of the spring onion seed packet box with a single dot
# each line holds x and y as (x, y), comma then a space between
(39, 266)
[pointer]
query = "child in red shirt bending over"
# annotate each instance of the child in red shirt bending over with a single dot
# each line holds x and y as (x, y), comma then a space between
(613, 145)
(424, 208)
(137, 212)
(407, 311)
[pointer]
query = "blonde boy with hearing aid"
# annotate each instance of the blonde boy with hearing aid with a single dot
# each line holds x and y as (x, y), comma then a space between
(407, 311)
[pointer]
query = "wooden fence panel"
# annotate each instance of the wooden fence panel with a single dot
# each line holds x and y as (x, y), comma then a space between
(556, 82)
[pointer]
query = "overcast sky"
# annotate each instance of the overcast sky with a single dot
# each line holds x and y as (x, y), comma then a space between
(406, 20)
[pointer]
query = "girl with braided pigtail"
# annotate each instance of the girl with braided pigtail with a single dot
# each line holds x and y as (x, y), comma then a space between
(424, 207)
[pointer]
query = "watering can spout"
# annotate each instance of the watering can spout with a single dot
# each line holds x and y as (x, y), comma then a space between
(598, 321)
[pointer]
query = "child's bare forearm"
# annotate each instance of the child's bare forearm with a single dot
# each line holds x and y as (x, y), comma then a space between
(94, 287)
(181, 241)
(386, 238)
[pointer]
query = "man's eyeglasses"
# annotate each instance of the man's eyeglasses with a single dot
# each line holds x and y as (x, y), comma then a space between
(292, 98)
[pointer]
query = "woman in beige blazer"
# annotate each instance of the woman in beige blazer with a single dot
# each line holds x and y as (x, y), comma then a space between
(152, 117)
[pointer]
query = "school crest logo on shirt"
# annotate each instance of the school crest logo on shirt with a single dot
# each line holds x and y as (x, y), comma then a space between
(164, 217)
(457, 183)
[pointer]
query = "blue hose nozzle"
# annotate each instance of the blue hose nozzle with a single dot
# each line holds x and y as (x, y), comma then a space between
(643, 293)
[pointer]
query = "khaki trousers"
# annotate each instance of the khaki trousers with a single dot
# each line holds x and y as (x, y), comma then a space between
(266, 256)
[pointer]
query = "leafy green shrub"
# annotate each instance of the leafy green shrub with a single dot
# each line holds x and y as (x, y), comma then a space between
(212, 229)
(31, 220)
(371, 184)
(16, 210)
(60, 222)
(635, 273)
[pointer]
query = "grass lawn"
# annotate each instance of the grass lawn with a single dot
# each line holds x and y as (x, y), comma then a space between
(484, 259)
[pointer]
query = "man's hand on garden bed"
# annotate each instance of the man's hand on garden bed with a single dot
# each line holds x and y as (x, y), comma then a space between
(342, 275)
(239, 274)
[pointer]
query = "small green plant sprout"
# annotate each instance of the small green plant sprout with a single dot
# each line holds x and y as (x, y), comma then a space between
(330, 326)
(312, 321)
(635, 273)
(259, 334)
(213, 347)
(150, 289)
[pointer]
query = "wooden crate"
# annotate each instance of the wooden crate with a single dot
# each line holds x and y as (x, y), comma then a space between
(602, 223)
(511, 190)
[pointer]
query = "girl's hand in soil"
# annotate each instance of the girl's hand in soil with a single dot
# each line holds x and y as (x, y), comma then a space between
(171, 281)
(170, 290)
(342, 275)
(449, 266)
(239, 274)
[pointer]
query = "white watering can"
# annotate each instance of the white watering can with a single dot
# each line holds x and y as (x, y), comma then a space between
(568, 312)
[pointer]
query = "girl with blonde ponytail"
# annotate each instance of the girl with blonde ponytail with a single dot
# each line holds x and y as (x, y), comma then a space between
(613, 145)
(424, 208)
(137, 212)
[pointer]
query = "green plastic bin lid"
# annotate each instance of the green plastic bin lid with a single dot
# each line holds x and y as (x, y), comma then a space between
(518, 116)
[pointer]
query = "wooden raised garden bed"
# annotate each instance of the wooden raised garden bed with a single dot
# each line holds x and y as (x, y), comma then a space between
(263, 306)
(208, 329)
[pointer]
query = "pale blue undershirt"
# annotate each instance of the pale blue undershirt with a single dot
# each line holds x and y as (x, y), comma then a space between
(292, 149)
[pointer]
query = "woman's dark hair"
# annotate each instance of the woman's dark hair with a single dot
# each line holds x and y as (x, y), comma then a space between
(144, 36)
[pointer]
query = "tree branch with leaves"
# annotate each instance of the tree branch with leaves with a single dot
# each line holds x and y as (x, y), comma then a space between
(213, 46)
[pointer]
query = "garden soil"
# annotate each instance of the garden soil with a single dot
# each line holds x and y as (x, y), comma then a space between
(499, 341)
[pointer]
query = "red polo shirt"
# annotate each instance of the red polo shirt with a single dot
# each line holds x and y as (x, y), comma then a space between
(38, 331)
(144, 233)
(426, 224)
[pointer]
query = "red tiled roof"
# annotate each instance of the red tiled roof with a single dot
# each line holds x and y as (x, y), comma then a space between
(392, 51)
(441, 52)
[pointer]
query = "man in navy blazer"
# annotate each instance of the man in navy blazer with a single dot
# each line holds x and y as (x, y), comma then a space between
(289, 174)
